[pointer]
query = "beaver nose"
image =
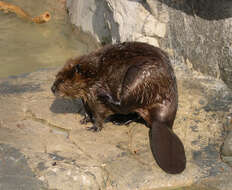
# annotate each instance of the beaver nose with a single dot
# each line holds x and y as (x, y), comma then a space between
(53, 88)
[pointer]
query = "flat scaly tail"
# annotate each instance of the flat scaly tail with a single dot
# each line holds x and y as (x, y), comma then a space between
(167, 148)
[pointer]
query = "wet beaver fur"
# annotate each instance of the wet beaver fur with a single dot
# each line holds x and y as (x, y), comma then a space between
(129, 77)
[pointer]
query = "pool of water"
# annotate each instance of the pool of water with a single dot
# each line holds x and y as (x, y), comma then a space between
(27, 47)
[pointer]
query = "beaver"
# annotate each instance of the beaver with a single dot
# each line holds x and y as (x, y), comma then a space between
(129, 77)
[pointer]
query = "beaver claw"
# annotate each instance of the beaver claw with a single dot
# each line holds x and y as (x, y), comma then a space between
(94, 128)
(85, 120)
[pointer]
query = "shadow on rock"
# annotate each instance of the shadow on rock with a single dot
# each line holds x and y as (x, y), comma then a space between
(206, 9)
(216, 104)
(15, 171)
(103, 11)
(120, 119)
(61, 105)
(144, 4)
(8, 88)
(206, 157)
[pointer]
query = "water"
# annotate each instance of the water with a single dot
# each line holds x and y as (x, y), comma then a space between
(27, 47)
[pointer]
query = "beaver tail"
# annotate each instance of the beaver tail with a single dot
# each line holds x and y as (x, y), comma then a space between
(167, 148)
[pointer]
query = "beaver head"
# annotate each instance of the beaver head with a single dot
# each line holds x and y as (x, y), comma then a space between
(70, 82)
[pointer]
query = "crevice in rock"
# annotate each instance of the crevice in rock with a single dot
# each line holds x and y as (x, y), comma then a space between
(109, 32)
(84, 152)
(206, 9)
(56, 128)
(108, 179)
(145, 4)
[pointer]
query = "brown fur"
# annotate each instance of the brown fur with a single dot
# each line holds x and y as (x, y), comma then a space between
(126, 78)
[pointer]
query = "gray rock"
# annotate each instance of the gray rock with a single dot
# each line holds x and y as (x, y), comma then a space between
(64, 155)
(197, 32)
(112, 21)
(227, 147)
(15, 172)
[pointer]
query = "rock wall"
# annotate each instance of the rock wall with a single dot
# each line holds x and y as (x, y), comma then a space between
(196, 32)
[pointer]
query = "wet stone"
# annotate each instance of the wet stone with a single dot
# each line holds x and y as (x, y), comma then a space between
(15, 172)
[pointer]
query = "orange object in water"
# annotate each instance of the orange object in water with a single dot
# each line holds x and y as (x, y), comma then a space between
(7, 7)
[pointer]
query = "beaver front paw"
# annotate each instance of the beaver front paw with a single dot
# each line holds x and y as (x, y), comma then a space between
(106, 98)
(85, 120)
(94, 128)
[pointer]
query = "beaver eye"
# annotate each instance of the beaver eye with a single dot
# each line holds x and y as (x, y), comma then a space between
(78, 68)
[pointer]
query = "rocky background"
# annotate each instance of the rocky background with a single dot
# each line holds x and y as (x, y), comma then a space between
(197, 32)
(43, 146)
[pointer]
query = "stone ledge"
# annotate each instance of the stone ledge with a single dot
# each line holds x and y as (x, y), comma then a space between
(63, 155)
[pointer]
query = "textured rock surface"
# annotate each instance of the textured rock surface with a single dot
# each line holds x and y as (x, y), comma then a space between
(196, 31)
(227, 149)
(61, 154)
(112, 21)
(15, 172)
